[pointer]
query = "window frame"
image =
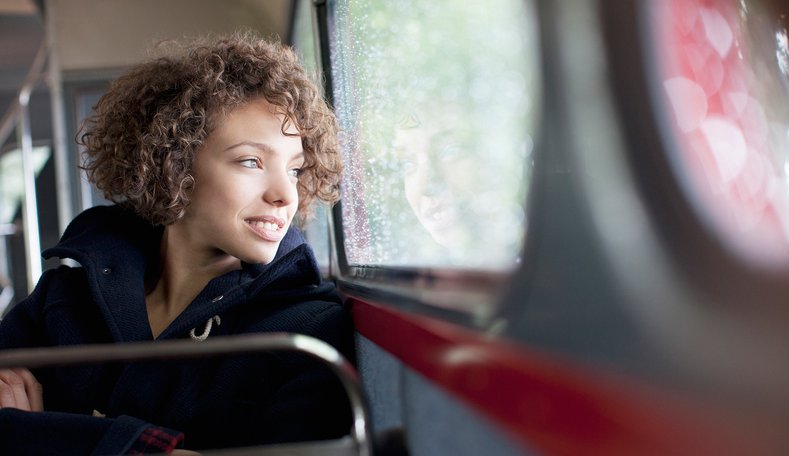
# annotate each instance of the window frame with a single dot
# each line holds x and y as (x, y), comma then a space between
(467, 296)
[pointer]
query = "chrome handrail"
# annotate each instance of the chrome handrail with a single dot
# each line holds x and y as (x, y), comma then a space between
(18, 115)
(240, 344)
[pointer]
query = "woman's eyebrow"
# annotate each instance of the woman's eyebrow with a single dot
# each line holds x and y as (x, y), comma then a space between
(257, 145)
(264, 148)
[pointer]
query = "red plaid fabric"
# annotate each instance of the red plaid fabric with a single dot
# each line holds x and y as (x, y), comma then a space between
(156, 440)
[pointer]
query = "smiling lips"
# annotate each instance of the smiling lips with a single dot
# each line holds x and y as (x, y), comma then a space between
(267, 227)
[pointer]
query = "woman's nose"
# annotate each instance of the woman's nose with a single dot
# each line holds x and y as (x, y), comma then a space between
(280, 188)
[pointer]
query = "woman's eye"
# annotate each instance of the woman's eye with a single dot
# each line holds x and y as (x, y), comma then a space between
(295, 172)
(249, 163)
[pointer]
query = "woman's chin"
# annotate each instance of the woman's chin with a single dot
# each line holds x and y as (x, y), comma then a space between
(259, 257)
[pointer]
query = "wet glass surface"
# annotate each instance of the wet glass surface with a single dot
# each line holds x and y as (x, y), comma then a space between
(438, 111)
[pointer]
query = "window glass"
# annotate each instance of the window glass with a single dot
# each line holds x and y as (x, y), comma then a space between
(437, 103)
(316, 227)
(12, 194)
(12, 186)
(84, 99)
(723, 72)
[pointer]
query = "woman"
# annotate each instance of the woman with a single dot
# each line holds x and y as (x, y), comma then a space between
(211, 153)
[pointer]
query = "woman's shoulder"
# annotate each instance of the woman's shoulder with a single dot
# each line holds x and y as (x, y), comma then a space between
(63, 281)
(27, 323)
(55, 284)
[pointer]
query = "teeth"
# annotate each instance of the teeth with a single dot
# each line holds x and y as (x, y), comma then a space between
(265, 225)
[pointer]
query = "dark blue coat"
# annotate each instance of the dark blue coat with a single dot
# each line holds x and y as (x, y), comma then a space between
(215, 402)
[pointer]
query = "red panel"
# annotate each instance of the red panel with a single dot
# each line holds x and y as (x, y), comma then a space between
(554, 405)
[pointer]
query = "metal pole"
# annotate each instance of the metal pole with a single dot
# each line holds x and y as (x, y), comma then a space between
(29, 206)
(60, 150)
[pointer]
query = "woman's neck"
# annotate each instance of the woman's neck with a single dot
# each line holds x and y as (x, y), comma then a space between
(185, 269)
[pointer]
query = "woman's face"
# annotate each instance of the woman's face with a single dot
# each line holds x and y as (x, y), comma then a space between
(245, 195)
(437, 183)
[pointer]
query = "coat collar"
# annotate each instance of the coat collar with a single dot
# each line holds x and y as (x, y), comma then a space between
(115, 247)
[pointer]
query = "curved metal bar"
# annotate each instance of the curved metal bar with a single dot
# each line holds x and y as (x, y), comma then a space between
(8, 122)
(167, 349)
(18, 115)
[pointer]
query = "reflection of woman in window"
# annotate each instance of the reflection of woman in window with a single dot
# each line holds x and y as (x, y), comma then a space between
(437, 178)
(211, 152)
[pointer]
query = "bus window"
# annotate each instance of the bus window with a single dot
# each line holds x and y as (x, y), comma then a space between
(437, 111)
(723, 73)
(11, 185)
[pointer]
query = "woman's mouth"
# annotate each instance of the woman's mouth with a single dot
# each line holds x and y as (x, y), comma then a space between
(268, 228)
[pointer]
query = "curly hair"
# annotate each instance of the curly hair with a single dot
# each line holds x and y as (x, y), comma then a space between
(141, 140)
